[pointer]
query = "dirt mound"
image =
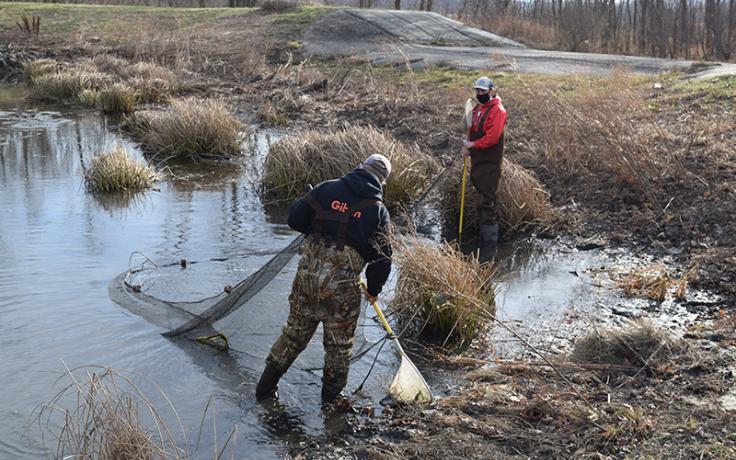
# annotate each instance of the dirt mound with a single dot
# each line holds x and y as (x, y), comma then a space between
(426, 39)
(360, 27)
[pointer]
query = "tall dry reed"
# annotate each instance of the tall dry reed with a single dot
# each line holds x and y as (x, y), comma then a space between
(193, 128)
(595, 128)
(439, 290)
(99, 417)
(311, 157)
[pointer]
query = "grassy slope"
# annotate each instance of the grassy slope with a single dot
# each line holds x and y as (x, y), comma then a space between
(97, 19)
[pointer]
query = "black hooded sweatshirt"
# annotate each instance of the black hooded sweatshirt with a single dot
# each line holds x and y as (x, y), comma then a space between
(366, 234)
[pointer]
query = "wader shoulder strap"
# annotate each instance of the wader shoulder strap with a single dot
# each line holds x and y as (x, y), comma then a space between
(341, 216)
(480, 132)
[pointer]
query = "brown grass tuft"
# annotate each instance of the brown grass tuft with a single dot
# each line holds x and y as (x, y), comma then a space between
(311, 157)
(639, 347)
(66, 85)
(103, 420)
(117, 171)
(192, 128)
(449, 296)
(521, 199)
(39, 67)
(117, 98)
(151, 71)
(653, 282)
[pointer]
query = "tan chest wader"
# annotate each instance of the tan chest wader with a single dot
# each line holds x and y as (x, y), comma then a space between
(325, 290)
(485, 173)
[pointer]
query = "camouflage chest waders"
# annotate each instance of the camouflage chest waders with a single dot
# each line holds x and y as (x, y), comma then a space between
(325, 290)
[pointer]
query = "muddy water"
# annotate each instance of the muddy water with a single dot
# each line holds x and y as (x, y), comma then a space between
(61, 246)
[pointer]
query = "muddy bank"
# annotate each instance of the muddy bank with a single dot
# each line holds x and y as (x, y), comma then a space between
(680, 403)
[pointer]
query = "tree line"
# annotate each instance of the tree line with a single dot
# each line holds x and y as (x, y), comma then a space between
(691, 29)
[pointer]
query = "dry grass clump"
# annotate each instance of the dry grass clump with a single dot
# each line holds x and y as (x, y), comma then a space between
(108, 63)
(117, 171)
(117, 98)
(447, 295)
(653, 282)
(311, 157)
(119, 85)
(138, 122)
(89, 97)
(151, 71)
(40, 67)
(193, 128)
(521, 199)
(151, 90)
(103, 420)
(636, 348)
(66, 85)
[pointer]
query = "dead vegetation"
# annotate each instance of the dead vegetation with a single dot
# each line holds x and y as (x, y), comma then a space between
(638, 348)
(311, 157)
(521, 201)
(97, 415)
(443, 295)
(116, 170)
(101, 413)
(189, 129)
(653, 282)
(109, 83)
(512, 409)
(586, 133)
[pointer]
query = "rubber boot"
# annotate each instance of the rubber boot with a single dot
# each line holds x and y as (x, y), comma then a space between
(268, 384)
(488, 242)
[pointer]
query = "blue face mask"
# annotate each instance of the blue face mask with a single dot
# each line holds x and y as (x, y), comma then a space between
(483, 98)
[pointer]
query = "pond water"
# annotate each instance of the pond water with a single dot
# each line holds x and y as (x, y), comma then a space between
(61, 247)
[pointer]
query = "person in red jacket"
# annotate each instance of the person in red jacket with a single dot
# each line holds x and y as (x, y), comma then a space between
(485, 147)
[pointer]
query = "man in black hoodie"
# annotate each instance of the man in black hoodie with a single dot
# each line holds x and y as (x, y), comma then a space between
(346, 225)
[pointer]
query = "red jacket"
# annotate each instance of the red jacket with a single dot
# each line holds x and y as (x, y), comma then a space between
(494, 125)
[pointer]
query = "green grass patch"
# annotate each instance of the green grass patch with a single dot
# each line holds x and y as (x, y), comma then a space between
(712, 89)
(302, 15)
(92, 19)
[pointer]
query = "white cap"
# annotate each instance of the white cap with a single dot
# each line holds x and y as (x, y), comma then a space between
(378, 165)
